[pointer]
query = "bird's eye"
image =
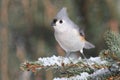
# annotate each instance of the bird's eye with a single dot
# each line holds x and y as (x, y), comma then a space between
(60, 21)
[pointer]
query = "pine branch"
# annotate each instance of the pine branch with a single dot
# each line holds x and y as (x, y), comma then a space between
(68, 67)
(104, 67)
(112, 40)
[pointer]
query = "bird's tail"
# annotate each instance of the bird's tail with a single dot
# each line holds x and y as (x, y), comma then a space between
(88, 45)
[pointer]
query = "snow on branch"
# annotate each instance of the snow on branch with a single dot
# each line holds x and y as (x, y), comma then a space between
(70, 68)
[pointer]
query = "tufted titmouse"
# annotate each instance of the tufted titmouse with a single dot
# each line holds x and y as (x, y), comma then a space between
(69, 36)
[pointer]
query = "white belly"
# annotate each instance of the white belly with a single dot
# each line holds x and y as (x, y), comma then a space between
(69, 41)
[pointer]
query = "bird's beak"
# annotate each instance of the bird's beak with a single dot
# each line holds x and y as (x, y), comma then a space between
(52, 24)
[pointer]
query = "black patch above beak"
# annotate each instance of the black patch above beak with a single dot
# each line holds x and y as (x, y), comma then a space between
(54, 22)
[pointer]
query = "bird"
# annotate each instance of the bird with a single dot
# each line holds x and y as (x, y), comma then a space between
(70, 36)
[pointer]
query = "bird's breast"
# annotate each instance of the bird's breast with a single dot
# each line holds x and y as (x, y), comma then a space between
(70, 41)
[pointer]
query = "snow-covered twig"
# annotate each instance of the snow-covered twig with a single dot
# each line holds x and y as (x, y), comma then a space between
(74, 68)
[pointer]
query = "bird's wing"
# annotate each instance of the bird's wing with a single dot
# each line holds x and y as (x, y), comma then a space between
(80, 30)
